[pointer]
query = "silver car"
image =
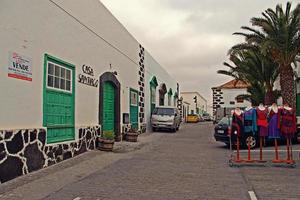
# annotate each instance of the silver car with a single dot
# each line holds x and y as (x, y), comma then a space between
(165, 117)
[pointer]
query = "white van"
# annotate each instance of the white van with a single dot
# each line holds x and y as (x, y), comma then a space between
(165, 117)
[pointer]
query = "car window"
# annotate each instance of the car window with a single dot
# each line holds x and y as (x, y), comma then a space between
(163, 111)
(225, 120)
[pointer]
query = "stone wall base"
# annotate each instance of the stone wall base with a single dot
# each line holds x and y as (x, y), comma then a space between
(24, 151)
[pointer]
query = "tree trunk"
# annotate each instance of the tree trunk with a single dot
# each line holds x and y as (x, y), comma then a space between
(287, 85)
(269, 97)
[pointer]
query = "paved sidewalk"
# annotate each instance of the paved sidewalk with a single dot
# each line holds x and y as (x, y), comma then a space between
(39, 184)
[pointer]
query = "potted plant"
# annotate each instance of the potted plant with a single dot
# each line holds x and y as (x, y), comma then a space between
(132, 135)
(106, 141)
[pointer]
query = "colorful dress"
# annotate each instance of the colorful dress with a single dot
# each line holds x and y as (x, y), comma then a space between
(237, 124)
(287, 122)
(273, 130)
(250, 121)
(262, 122)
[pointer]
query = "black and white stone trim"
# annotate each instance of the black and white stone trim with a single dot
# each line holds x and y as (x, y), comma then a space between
(24, 151)
(217, 99)
(141, 83)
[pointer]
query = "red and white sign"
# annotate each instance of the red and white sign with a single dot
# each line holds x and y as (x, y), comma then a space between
(19, 67)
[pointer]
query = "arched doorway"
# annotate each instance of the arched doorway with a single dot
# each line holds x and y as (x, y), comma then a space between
(109, 104)
(162, 92)
(175, 99)
(170, 93)
(153, 85)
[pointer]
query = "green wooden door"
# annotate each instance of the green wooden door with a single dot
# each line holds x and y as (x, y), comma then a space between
(108, 107)
(134, 109)
(59, 100)
(59, 116)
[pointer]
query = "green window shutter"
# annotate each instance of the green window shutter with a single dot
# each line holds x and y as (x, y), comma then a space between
(134, 108)
(59, 100)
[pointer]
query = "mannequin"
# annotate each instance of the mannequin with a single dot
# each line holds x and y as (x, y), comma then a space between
(237, 122)
(250, 126)
(273, 130)
(287, 117)
(237, 129)
(262, 124)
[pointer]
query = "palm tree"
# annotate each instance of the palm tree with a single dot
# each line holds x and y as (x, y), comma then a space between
(255, 69)
(278, 36)
(256, 94)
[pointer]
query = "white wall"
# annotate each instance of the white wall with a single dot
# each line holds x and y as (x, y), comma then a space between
(34, 27)
(231, 94)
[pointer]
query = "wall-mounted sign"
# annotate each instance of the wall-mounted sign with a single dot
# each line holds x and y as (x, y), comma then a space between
(86, 78)
(19, 67)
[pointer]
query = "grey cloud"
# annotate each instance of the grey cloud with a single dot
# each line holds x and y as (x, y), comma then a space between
(196, 50)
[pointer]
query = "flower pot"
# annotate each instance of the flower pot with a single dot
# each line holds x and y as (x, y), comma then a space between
(105, 144)
(131, 137)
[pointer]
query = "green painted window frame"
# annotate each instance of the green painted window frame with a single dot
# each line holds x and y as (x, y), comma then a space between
(59, 77)
(70, 66)
(137, 97)
(137, 104)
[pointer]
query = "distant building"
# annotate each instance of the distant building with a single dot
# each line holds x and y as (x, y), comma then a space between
(197, 103)
(225, 96)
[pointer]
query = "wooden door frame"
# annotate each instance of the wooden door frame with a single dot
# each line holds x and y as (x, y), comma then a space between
(109, 76)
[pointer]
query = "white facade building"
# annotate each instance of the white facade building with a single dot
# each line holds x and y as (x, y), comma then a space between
(225, 96)
(200, 107)
(69, 71)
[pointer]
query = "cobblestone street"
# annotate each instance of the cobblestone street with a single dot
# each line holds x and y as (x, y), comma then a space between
(186, 165)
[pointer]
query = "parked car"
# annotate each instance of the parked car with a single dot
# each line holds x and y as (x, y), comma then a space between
(206, 117)
(165, 117)
(221, 134)
(221, 130)
(201, 119)
(192, 118)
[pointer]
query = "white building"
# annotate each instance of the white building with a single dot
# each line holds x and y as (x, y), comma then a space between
(225, 96)
(197, 103)
(69, 71)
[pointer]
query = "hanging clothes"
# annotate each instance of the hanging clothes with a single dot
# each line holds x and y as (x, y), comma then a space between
(237, 124)
(273, 130)
(250, 125)
(262, 122)
(287, 122)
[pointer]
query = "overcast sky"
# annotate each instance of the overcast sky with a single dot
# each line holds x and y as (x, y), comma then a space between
(189, 38)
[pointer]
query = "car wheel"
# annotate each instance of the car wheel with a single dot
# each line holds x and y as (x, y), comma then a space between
(173, 130)
(250, 140)
(154, 129)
